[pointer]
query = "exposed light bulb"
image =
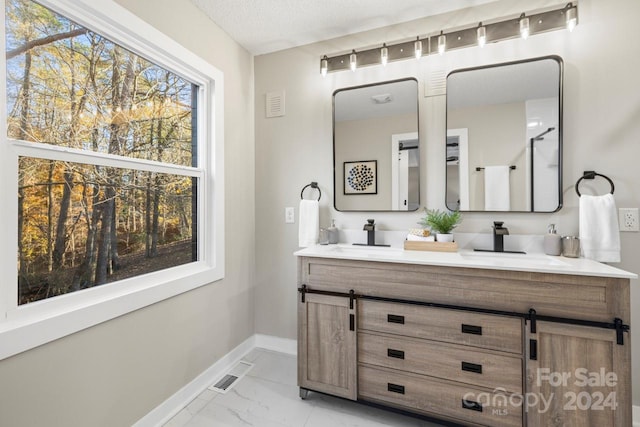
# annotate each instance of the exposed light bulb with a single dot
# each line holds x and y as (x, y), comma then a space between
(571, 17)
(384, 54)
(482, 35)
(524, 27)
(442, 43)
(324, 66)
(417, 47)
(353, 60)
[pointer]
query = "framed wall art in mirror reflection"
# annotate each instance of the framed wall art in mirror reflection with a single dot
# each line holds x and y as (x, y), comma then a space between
(361, 177)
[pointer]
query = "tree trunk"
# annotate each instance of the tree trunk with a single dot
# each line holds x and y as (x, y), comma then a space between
(104, 238)
(156, 215)
(61, 237)
(147, 217)
(115, 259)
(50, 217)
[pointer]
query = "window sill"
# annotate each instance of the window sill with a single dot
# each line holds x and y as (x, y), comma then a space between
(23, 331)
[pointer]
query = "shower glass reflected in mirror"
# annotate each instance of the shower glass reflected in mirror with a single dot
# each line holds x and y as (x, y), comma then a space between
(504, 137)
(376, 150)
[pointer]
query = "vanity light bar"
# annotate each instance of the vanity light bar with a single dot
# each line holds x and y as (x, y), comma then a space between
(551, 20)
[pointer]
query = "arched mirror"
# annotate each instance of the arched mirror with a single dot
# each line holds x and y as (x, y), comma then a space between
(376, 147)
(504, 137)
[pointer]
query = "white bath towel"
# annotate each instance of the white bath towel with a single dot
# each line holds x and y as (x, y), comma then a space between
(497, 196)
(309, 223)
(599, 232)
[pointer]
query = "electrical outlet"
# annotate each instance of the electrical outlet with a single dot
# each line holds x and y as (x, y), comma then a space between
(289, 215)
(628, 219)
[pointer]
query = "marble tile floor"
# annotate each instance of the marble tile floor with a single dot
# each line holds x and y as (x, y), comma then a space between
(267, 396)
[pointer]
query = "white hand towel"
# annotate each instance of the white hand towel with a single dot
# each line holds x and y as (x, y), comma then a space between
(309, 223)
(599, 232)
(496, 188)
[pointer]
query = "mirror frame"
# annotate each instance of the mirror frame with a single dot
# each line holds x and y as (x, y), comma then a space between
(560, 63)
(333, 123)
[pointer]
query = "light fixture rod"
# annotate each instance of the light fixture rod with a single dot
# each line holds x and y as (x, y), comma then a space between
(505, 29)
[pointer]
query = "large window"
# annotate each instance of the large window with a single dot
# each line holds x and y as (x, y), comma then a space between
(110, 146)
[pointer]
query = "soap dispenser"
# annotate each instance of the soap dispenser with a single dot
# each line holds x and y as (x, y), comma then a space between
(333, 232)
(552, 241)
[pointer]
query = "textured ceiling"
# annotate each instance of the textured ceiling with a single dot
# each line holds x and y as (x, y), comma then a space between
(264, 26)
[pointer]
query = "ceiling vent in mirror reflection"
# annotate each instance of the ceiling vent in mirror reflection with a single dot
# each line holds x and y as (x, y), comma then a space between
(384, 98)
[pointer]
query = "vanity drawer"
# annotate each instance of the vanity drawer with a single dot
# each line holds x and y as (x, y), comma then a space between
(460, 327)
(436, 359)
(472, 405)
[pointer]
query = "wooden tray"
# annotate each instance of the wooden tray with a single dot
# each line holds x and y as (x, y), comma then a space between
(411, 245)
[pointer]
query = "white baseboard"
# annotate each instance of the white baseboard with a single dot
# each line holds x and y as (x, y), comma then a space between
(636, 416)
(282, 345)
(174, 404)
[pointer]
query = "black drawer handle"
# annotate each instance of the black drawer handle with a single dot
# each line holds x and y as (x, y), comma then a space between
(393, 318)
(471, 405)
(395, 388)
(397, 354)
(471, 329)
(471, 367)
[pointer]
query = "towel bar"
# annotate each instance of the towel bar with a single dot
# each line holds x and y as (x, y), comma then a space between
(592, 175)
(478, 169)
(312, 185)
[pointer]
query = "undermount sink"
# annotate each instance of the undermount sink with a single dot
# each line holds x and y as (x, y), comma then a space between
(505, 258)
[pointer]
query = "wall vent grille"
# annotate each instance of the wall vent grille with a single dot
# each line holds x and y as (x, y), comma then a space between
(436, 83)
(275, 104)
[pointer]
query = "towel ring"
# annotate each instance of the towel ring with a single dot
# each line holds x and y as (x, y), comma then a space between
(592, 175)
(312, 185)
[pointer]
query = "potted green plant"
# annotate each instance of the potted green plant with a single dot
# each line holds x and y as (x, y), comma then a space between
(441, 223)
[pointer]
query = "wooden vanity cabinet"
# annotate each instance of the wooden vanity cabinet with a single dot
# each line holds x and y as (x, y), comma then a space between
(458, 344)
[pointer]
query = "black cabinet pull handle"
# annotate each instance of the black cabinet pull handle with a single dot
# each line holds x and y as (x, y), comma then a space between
(393, 318)
(472, 367)
(471, 329)
(469, 404)
(533, 349)
(395, 388)
(352, 322)
(397, 354)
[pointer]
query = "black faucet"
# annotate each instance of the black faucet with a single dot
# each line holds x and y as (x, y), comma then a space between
(498, 239)
(498, 236)
(370, 228)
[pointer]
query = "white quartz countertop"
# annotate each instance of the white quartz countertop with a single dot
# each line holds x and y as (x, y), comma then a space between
(538, 263)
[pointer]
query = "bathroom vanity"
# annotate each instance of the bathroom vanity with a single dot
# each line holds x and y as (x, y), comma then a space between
(474, 339)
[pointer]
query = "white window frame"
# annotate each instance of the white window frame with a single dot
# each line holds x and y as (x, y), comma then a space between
(30, 325)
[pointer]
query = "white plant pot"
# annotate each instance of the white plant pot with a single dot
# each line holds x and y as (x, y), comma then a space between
(444, 237)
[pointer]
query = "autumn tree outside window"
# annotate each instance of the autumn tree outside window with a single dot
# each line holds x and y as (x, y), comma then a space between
(112, 155)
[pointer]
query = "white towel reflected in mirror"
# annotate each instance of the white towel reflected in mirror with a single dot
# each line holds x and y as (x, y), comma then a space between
(497, 196)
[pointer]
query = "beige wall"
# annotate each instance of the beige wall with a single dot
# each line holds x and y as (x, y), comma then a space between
(494, 144)
(601, 132)
(115, 373)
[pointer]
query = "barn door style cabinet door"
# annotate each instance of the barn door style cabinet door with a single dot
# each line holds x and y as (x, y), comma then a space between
(577, 376)
(327, 345)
